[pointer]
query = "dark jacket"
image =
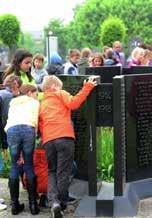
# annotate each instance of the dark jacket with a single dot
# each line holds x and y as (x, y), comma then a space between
(55, 69)
(5, 97)
(83, 63)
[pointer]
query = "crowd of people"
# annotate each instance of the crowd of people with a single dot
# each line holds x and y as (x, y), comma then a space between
(33, 105)
(26, 113)
(77, 60)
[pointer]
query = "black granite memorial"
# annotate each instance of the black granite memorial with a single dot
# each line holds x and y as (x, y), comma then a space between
(104, 102)
(139, 126)
(104, 106)
(106, 73)
(141, 69)
(132, 118)
(137, 70)
(126, 71)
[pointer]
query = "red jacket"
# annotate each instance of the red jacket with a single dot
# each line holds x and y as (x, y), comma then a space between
(55, 112)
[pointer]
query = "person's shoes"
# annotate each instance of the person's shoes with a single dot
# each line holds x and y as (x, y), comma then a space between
(43, 202)
(71, 200)
(3, 207)
(2, 201)
(63, 206)
(56, 212)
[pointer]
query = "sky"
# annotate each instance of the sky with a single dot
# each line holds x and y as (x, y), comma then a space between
(35, 14)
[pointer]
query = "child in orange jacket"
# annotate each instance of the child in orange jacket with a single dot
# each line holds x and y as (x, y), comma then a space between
(57, 135)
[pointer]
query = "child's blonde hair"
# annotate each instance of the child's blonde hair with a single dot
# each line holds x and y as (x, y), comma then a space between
(48, 81)
(137, 52)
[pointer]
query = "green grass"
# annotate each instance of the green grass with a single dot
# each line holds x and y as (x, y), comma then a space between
(105, 160)
(5, 173)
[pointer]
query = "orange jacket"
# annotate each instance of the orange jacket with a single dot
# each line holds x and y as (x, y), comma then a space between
(55, 112)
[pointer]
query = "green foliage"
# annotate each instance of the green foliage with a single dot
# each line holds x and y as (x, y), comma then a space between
(6, 171)
(86, 25)
(58, 29)
(135, 14)
(105, 162)
(112, 29)
(27, 41)
(9, 30)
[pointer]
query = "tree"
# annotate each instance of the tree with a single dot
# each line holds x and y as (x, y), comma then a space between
(112, 29)
(135, 14)
(9, 30)
(58, 29)
(27, 41)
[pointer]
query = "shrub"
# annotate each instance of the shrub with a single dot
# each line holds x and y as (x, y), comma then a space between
(112, 29)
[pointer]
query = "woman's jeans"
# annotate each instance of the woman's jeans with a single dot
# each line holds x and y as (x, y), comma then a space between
(59, 154)
(21, 138)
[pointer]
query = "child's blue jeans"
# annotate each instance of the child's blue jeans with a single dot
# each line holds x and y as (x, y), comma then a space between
(21, 138)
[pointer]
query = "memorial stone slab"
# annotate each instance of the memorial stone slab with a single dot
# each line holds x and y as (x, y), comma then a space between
(138, 126)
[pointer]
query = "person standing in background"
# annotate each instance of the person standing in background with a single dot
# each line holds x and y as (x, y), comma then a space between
(118, 52)
(71, 67)
(56, 66)
(38, 72)
(84, 60)
(97, 59)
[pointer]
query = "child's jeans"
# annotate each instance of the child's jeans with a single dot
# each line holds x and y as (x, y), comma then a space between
(60, 154)
(21, 138)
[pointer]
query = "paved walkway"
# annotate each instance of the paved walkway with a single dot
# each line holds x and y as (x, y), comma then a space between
(145, 207)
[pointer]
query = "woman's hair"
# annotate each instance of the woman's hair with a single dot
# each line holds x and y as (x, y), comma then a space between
(39, 57)
(147, 57)
(137, 52)
(48, 81)
(98, 55)
(11, 81)
(19, 56)
(145, 46)
(25, 88)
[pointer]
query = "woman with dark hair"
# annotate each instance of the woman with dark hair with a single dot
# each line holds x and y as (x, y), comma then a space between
(21, 66)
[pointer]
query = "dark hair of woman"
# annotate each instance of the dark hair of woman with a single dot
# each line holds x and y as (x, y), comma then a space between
(19, 56)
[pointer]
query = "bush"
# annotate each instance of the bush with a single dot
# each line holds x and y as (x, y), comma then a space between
(112, 29)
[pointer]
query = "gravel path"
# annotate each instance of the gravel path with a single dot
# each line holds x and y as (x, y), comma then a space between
(145, 207)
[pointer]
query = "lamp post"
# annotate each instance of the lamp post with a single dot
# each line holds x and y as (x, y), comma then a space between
(48, 45)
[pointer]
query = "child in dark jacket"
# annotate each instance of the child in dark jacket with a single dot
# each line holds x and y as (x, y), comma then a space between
(57, 134)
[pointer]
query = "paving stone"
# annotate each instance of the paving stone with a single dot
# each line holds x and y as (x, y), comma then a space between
(145, 206)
